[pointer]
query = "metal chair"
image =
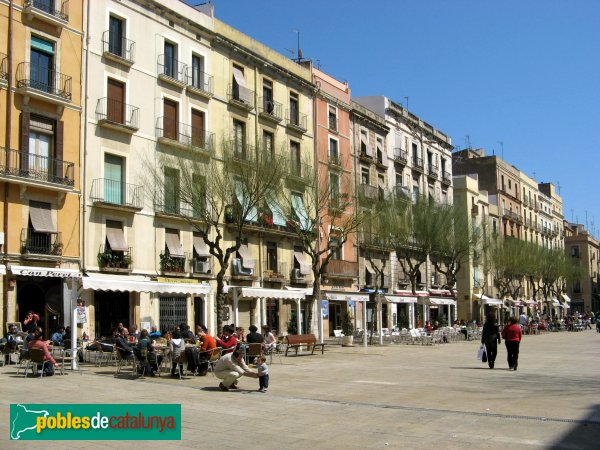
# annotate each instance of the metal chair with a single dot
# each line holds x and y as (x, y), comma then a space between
(254, 350)
(214, 358)
(129, 360)
(338, 336)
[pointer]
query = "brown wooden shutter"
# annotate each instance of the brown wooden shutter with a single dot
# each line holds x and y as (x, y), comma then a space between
(170, 119)
(24, 164)
(197, 128)
(116, 101)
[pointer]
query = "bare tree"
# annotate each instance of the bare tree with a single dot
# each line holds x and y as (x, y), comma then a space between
(455, 242)
(322, 224)
(217, 194)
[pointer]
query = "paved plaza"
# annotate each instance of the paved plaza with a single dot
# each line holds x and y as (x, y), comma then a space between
(382, 397)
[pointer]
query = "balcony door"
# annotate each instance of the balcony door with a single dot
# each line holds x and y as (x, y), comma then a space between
(116, 101)
(115, 36)
(170, 119)
(41, 64)
(113, 179)
(41, 137)
(197, 72)
(198, 128)
(169, 69)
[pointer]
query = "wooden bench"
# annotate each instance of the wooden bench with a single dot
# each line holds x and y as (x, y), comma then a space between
(296, 340)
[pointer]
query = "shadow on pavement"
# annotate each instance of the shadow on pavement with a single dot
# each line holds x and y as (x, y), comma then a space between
(584, 434)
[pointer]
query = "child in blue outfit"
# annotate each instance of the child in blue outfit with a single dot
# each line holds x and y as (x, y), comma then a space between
(263, 374)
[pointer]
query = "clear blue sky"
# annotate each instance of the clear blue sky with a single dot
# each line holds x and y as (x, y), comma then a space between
(523, 72)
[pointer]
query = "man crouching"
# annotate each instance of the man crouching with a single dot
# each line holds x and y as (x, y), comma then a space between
(230, 368)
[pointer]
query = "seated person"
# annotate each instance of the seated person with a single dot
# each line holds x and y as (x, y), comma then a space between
(269, 340)
(154, 333)
(58, 336)
(146, 354)
(186, 333)
(177, 346)
(123, 347)
(38, 343)
(227, 340)
(254, 337)
(208, 345)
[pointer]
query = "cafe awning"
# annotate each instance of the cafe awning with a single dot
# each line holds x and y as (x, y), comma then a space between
(530, 302)
(31, 271)
(485, 300)
(400, 299)
(129, 284)
(257, 292)
(346, 296)
(436, 301)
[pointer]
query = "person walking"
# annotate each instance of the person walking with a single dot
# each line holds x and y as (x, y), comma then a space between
(490, 337)
(512, 338)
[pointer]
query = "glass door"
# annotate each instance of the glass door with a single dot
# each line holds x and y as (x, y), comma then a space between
(113, 179)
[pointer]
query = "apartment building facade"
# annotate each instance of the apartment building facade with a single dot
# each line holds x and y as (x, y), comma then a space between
(40, 79)
(583, 250)
(416, 160)
(555, 238)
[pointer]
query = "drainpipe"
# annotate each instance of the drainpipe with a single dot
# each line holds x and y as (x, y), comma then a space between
(8, 143)
(83, 145)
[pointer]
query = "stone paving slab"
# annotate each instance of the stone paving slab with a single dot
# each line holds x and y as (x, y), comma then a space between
(394, 396)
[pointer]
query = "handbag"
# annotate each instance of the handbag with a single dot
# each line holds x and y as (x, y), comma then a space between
(484, 357)
(480, 352)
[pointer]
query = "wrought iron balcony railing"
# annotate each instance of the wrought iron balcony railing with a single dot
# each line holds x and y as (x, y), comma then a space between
(117, 193)
(240, 96)
(55, 8)
(115, 112)
(400, 156)
(432, 170)
(184, 135)
(418, 163)
(199, 82)
(44, 79)
(333, 123)
(296, 120)
(275, 272)
(33, 242)
(270, 109)
(171, 70)
(115, 45)
(446, 178)
(368, 191)
(115, 261)
(36, 167)
(173, 264)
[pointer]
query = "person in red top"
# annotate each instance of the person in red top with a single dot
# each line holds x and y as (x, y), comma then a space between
(40, 344)
(227, 340)
(512, 338)
(208, 345)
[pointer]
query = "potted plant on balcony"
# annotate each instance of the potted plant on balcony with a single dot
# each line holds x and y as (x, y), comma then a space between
(347, 329)
(57, 248)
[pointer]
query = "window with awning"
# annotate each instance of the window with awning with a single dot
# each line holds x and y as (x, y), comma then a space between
(246, 257)
(301, 260)
(115, 236)
(173, 243)
(252, 215)
(200, 246)
(278, 216)
(240, 86)
(40, 215)
(300, 211)
(364, 140)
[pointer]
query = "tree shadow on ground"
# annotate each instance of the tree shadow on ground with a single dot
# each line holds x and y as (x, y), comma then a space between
(584, 433)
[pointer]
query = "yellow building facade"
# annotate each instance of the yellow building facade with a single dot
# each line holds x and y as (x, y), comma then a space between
(40, 94)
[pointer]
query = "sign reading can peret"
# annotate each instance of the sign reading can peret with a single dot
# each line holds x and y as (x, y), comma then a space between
(44, 272)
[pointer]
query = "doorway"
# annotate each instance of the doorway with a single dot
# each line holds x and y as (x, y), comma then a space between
(335, 316)
(112, 308)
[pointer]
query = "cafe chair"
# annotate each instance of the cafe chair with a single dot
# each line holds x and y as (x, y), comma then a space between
(214, 358)
(36, 357)
(253, 351)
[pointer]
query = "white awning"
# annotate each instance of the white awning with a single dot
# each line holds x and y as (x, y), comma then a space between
(566, 298)
(368, 266)
(2, 269)
(30, 271)
(252, 215)
(278, 215)
(530, 302)
(40, 215)
(200, 247)
(364, 140)
(440, 292)
(410, 294)
(247, 261)
(244, 93)
(115, 236)
(273, 293)
(106, 283)
(174, 244)
(485, 300)
(300, 210)
(400, 299)
(555, 302)
(347, 296)
(304, 268)
(438, 301)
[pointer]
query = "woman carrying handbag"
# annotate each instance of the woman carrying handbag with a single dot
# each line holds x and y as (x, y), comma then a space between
(490, 337)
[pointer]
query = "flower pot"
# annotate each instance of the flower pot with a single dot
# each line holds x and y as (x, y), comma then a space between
(348, 341)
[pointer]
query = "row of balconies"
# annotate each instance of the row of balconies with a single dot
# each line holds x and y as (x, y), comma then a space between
(511, 215)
